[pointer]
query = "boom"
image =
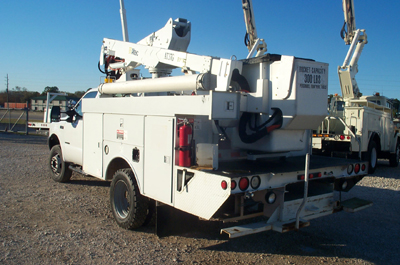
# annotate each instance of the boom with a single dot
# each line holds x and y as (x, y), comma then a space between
(356, 38)
(251, 40)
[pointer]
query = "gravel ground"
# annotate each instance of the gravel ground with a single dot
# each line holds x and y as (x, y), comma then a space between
(44, 222)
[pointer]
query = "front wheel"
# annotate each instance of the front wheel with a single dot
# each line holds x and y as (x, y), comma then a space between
(394, 158)
(128, 206)
(59, 170)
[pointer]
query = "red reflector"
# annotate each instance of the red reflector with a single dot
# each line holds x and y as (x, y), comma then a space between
(348, 137)
(233, 185)
(243, 183)
(357, 168)
(224, 185)
(319, 174)
(363, 167)
(300, 177)
(310, 176)
(341, 137)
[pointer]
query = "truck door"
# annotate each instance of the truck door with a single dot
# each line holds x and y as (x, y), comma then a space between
(158, 158)
(73, 133)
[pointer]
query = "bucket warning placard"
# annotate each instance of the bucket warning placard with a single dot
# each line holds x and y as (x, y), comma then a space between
(312, 77)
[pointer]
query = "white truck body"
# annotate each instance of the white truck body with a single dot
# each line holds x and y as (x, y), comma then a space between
(350, 130)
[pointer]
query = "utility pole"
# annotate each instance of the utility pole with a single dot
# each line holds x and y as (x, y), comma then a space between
(8, 107)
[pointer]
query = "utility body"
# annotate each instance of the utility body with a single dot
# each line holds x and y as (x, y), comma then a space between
(357, 126)
(229, 140)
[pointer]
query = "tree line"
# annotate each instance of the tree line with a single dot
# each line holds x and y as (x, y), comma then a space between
(22, 95)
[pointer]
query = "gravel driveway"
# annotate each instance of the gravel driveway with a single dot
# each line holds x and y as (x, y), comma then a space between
(44, 222)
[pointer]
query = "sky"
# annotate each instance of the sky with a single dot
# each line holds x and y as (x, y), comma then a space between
(57, 43)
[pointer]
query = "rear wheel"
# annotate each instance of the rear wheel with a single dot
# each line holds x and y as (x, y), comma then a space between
(128, 206)
(372, 157)
(58, 167)
(394, 158)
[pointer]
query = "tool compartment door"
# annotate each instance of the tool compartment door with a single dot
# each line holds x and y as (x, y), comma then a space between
(93, 144)
(158, 158)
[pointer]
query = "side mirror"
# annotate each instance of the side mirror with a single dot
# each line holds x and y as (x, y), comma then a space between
(70, 113)
(55, 113)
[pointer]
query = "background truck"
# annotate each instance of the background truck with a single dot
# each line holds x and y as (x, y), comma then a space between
(229, 140)
(43, 127)
(357, 126)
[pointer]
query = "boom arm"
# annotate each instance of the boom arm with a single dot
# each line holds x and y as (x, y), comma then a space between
(349, 21)
(161, 52)
(251, 40)
(357, 39)
(122, 11)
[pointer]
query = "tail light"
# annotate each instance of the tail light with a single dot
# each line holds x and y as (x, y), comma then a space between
(224, 185)
(255, 182)
(243, 183)
(357, 168)
(350, 169)
(233, 184)
(363, 167)
(310, 176)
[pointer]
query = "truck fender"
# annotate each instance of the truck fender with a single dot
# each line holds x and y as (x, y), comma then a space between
(52, 140)
(119, 163)
(395, 142)
(375, 137)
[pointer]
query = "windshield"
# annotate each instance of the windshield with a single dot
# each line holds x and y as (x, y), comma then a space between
(78, 107)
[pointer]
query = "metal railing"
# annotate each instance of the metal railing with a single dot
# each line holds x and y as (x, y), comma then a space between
(14, 120)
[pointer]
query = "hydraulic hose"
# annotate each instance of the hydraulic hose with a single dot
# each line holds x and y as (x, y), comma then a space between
(273, 123)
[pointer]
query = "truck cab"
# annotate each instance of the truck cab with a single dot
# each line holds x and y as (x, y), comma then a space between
(66, 132)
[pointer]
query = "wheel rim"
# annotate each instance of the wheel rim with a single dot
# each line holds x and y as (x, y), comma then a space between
(374, 158)
(121, 199)
(55, 164)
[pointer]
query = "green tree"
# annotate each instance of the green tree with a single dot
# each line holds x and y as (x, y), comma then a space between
(52, 89)
(78, 94)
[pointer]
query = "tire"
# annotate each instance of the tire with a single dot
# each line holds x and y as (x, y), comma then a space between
(394, 158)
(58, 167)
(372, 157)
(128, 206)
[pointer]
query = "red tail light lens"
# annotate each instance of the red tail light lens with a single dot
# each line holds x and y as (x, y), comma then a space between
(243, 183)
(357, 168)
(233, 185)
(341, 137)
(224, 185)
(363, 167)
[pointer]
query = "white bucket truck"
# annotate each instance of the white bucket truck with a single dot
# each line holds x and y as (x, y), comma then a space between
(227, 141)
